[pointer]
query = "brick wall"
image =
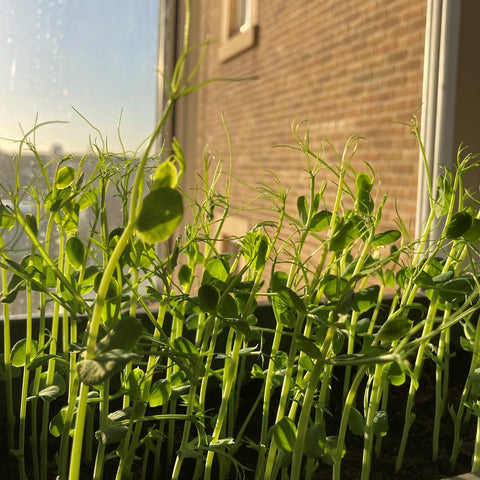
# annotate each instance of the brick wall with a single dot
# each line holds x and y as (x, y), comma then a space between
(348, 67)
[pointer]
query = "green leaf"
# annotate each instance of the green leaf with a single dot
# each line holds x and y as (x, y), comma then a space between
(216, 269)
(64, 178)
(262, 249)
(307, 346)
(306, 363)
(345, 302)
(396, 375)
(112, 291)
(363, 186)
(58, 381)
(320, 221)
(135, 381)
(160, 393)
(285, 317)
(38, 271)
(444, 195)
(120, 415)
(302, 208)
(208, 298)
(185, 346)
(388, 278)
(334, 287)
(362, 326)
(338, 342)
(290, 299)
(88, 198)
(254, 248)
(394, 328)
(184, 275)
(104, 366)
(111, 435)
(424, 280)
(18, 356)
(187, 357)
(228, 307)
(49, 393)
(31, 221)
(380, 423)
(472, 235)
(7, 220)
(124, 335)
(284, 433)
(443, 277)
(317, 445)
(57, 424)
(457, 289)
(365, 299)
(160, 215)
(315, 441)
(459, 224)
(385, 238)
(356, 422)
(343, 236)
(55, 200)
(165, 176)
(75, 252)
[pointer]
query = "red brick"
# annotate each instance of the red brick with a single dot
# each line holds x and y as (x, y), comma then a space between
(346, 67)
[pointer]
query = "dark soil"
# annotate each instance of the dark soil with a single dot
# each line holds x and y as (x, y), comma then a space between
(418, 464)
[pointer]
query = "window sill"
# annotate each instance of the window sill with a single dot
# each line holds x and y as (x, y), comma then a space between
(237, 44)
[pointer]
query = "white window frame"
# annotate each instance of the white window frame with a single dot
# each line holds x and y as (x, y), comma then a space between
(236, 38)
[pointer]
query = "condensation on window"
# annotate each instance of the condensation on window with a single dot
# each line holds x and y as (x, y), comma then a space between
(61, 60)
(97, 57)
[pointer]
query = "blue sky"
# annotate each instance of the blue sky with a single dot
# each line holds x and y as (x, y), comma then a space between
(98, 56)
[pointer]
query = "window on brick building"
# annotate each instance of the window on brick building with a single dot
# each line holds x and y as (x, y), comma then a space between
(239, 27)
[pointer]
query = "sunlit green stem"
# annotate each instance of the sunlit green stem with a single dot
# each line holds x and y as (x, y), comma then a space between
(25, 384)
(307, 404)
(476, 452)
(228, 382)
(94, 323)
(186, 432)
(458, 416)
(375, 397)
(7, 361)
(103, 423)
(52, 351)
(347, 407)
(420, 357)
(299, 324)
(441, 384)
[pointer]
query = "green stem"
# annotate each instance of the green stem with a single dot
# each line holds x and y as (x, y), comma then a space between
(375, 397)
(476, 451)
(441, 382)
(7, 361)
(307, 404)
(420, 357)
(25, 384)
(228, 382)
(103, 423)
(458, 416)
(110, 267)
(186, 432)
(347, 407)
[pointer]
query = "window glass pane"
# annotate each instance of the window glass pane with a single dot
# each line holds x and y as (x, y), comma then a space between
(243, 15)
(97, 56)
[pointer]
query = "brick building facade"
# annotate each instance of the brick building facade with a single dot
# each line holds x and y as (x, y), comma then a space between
(351, 67)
